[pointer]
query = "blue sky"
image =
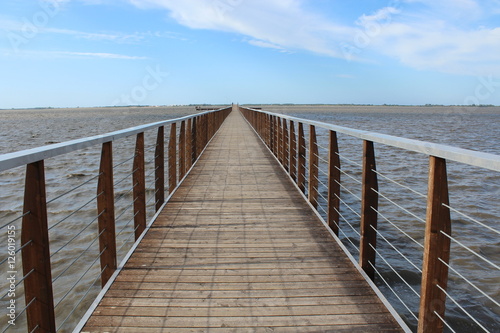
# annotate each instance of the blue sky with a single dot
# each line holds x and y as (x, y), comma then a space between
(68, 53)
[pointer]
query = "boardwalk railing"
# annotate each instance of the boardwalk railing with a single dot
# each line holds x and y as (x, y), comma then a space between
(381, 223)
(57, 252)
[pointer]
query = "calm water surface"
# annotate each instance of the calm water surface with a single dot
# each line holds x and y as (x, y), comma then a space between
(472, 190)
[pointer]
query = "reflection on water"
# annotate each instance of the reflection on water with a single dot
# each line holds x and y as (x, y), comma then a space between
(473, 191)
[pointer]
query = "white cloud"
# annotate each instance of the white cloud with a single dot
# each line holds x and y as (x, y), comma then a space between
(440, 35)
(280, 23)
(95, 55)
(437, 42)
(261, 43)
(71, 54)
(116, 37)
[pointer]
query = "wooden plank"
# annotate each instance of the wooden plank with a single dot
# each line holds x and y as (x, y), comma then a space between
(36, 252)
(106, 213)
(237, 322)
(139, 184)
(436, 248)
(330, 301)
(238, 246)
(362, 328)
(235, 311)
(369, 206)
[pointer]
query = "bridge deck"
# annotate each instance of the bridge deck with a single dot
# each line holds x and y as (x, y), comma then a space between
(238, 249)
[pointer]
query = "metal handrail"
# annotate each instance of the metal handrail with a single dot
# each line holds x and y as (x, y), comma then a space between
(467, 156)
(272, 129)
(196, 132)
(23, 157)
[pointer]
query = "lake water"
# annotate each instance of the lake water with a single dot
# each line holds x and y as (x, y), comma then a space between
(473, 191)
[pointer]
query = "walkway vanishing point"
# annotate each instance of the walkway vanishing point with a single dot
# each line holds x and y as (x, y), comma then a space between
(238, 248)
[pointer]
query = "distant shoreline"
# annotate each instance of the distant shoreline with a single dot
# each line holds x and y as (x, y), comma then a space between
(295, 108)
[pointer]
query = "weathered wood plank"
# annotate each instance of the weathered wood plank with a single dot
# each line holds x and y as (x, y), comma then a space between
(238, 247)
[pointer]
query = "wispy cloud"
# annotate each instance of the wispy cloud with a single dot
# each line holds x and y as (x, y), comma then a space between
(95, 55)
(71, 55)
(277, 23)
(16, 26)
(453, 36)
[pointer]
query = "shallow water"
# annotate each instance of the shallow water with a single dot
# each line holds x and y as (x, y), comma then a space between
(472, 190)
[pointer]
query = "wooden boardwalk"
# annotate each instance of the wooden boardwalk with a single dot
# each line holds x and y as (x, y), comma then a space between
(237, 249)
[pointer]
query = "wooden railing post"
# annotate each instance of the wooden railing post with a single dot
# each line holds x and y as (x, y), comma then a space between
(260, 117)
(189, 145)
(313, 167)
(293, 152)
(436, 248)
(139, 184)
(106, 211)
(276, 137)
(210, 125)
(194, 139)
(369, 203)
(301, 163)
(205, 131)
(286, 150)
(182, 150)
(199, 135)
(334, 184)
(280, 141)
(36, 255)
(271, 133)
(172, 158)
(160, 168)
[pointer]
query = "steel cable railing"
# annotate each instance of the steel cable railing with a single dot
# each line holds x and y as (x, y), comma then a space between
(76, 238)
(403, 250)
